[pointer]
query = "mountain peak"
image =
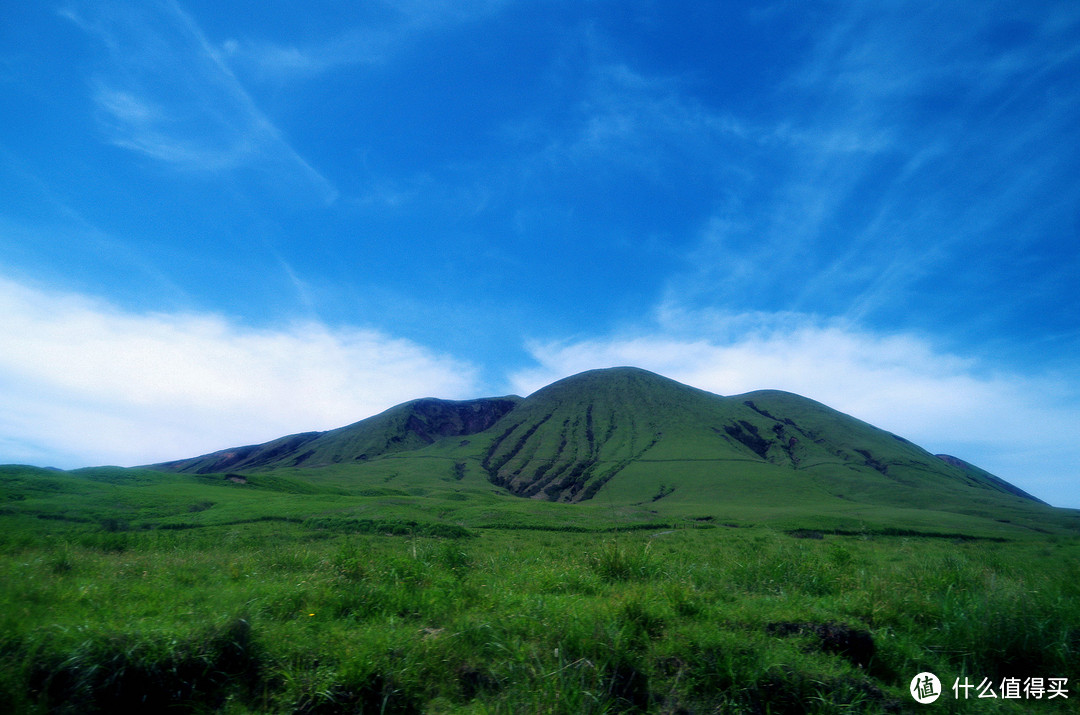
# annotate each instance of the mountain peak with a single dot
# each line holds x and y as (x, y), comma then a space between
(626, 383)
(638, 436)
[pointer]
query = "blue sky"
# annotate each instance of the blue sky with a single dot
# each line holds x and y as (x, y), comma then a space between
(218, 226)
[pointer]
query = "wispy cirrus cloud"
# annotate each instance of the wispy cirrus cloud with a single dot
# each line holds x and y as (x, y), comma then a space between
(903, 151)
(947, 110)
(274, 61)
(371, 34)
(757, 181)
(1023, 427)
(86, 382)
(163, 91)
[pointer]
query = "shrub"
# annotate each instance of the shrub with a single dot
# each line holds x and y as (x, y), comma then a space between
(616, 562)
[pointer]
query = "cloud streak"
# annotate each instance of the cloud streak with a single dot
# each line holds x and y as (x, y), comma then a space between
(90, 383)
(907, 146)
(369, 41)
(164, 91)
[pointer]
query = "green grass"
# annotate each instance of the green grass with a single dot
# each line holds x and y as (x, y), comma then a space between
(124, 589)
(271, 616)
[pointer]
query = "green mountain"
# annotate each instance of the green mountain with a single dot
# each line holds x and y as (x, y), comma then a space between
(984, 476)
(629, 438)
(402, 428)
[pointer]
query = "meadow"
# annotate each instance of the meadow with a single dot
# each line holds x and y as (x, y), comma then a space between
(112, 598)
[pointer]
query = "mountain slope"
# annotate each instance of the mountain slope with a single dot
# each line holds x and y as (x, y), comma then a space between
(405, 427)
(638, 438)
(564, 442)
(981, 475)
(569, 440)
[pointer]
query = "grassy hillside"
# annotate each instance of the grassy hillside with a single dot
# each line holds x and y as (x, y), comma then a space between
(568, 440)
(132, 589)
(405, 427)
(428, 491)
(628, 446)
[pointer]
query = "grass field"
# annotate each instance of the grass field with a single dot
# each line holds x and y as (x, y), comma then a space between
(123, 589)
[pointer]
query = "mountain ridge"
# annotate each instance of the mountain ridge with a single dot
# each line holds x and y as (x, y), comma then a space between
(403, 427)
(634, 434)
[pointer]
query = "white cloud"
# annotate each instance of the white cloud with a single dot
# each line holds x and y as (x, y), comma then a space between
(85, 382)
(276, 62)
(1024, 428)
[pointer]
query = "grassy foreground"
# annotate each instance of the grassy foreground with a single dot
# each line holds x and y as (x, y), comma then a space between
(313, 617)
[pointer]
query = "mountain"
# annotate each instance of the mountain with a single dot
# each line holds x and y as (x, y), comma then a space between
(985, 476)
(634, 437)
(402, 428)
